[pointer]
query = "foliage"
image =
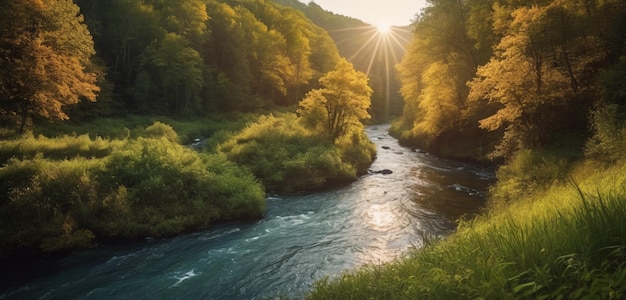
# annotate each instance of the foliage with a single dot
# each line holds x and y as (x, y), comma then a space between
(525, 174)
(66, 196)
(45, 52)
(531, 71)
(608, 119)
(196, 57)
(63, 147)
(441, 58)
(287, 157)
(339, 107)
(171, 76)
(158, 130)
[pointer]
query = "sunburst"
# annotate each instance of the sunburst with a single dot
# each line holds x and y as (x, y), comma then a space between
(378, 50)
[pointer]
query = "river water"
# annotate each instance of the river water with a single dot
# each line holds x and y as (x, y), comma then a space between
(300, 240)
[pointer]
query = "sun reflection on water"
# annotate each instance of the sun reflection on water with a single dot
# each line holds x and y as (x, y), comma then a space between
(381, 217)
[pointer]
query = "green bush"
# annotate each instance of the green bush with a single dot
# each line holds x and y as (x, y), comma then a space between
(608, 143)
(288, 158)
(158, 130)
(144, 187)
(525, 174)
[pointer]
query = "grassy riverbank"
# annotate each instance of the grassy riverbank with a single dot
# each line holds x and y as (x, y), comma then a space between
(569, 240)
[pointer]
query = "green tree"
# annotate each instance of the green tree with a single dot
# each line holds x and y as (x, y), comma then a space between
(185, 17)
(172, 71)
(45, 52)
(341, 104)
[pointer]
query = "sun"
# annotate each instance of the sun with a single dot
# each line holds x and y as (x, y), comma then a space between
(383, 28)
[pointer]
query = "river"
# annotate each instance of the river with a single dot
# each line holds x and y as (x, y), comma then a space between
(300, 240)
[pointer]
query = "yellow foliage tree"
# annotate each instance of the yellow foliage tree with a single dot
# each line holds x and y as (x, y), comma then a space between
(520, 82)
(44, 51)
(341, 104)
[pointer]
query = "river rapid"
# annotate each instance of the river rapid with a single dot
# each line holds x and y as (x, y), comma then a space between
(301, 239)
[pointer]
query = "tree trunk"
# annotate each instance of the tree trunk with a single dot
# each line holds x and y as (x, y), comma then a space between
(23, 120)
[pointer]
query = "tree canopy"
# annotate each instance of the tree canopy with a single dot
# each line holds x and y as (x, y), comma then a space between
(339, 106)
(510, 74)
(45, 54)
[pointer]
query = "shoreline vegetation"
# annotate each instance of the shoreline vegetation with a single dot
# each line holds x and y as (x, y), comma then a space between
(72, 191)
(67, 192)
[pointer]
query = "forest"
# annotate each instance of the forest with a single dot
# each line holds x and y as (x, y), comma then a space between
(100, 100)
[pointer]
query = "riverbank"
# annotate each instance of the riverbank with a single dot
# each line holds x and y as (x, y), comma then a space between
(566, 241)
(301, 238)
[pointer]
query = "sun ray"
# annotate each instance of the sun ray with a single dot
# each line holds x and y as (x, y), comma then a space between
(376, 54)
(377, 47)
(364, 46)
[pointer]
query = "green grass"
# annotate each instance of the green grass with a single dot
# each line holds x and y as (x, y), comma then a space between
(566, 243)
(134, 126)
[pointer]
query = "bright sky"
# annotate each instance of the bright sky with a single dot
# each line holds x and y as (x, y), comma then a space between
(375, 12)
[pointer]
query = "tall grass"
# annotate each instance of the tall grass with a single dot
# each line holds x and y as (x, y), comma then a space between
(63, 147)
(566, 243)
(134, 126)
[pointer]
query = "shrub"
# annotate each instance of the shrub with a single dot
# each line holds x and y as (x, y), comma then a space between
(158, 129)
(525, 174)
(608, 143)
(63, 147)
(288, 158)
(146, 187)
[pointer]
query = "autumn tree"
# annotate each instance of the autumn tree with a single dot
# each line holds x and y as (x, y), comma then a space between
(340, 105)
(522, 83)
(45, 52)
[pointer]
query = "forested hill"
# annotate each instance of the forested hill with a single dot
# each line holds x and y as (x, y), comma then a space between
(194, 57)
(372, 53)
(172, 58)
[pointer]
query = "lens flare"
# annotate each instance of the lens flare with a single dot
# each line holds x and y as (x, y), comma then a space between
(383, 28)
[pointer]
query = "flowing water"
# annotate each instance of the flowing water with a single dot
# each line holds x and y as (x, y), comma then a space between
(300, 240)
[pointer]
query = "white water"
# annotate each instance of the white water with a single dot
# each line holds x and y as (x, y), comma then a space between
(302, 239)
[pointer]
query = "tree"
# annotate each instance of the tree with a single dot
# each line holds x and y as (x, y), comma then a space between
(173, 70)
(45, 52)
(521, 83)
(339, 106)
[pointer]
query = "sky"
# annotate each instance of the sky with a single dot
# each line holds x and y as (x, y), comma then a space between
(375, 12)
